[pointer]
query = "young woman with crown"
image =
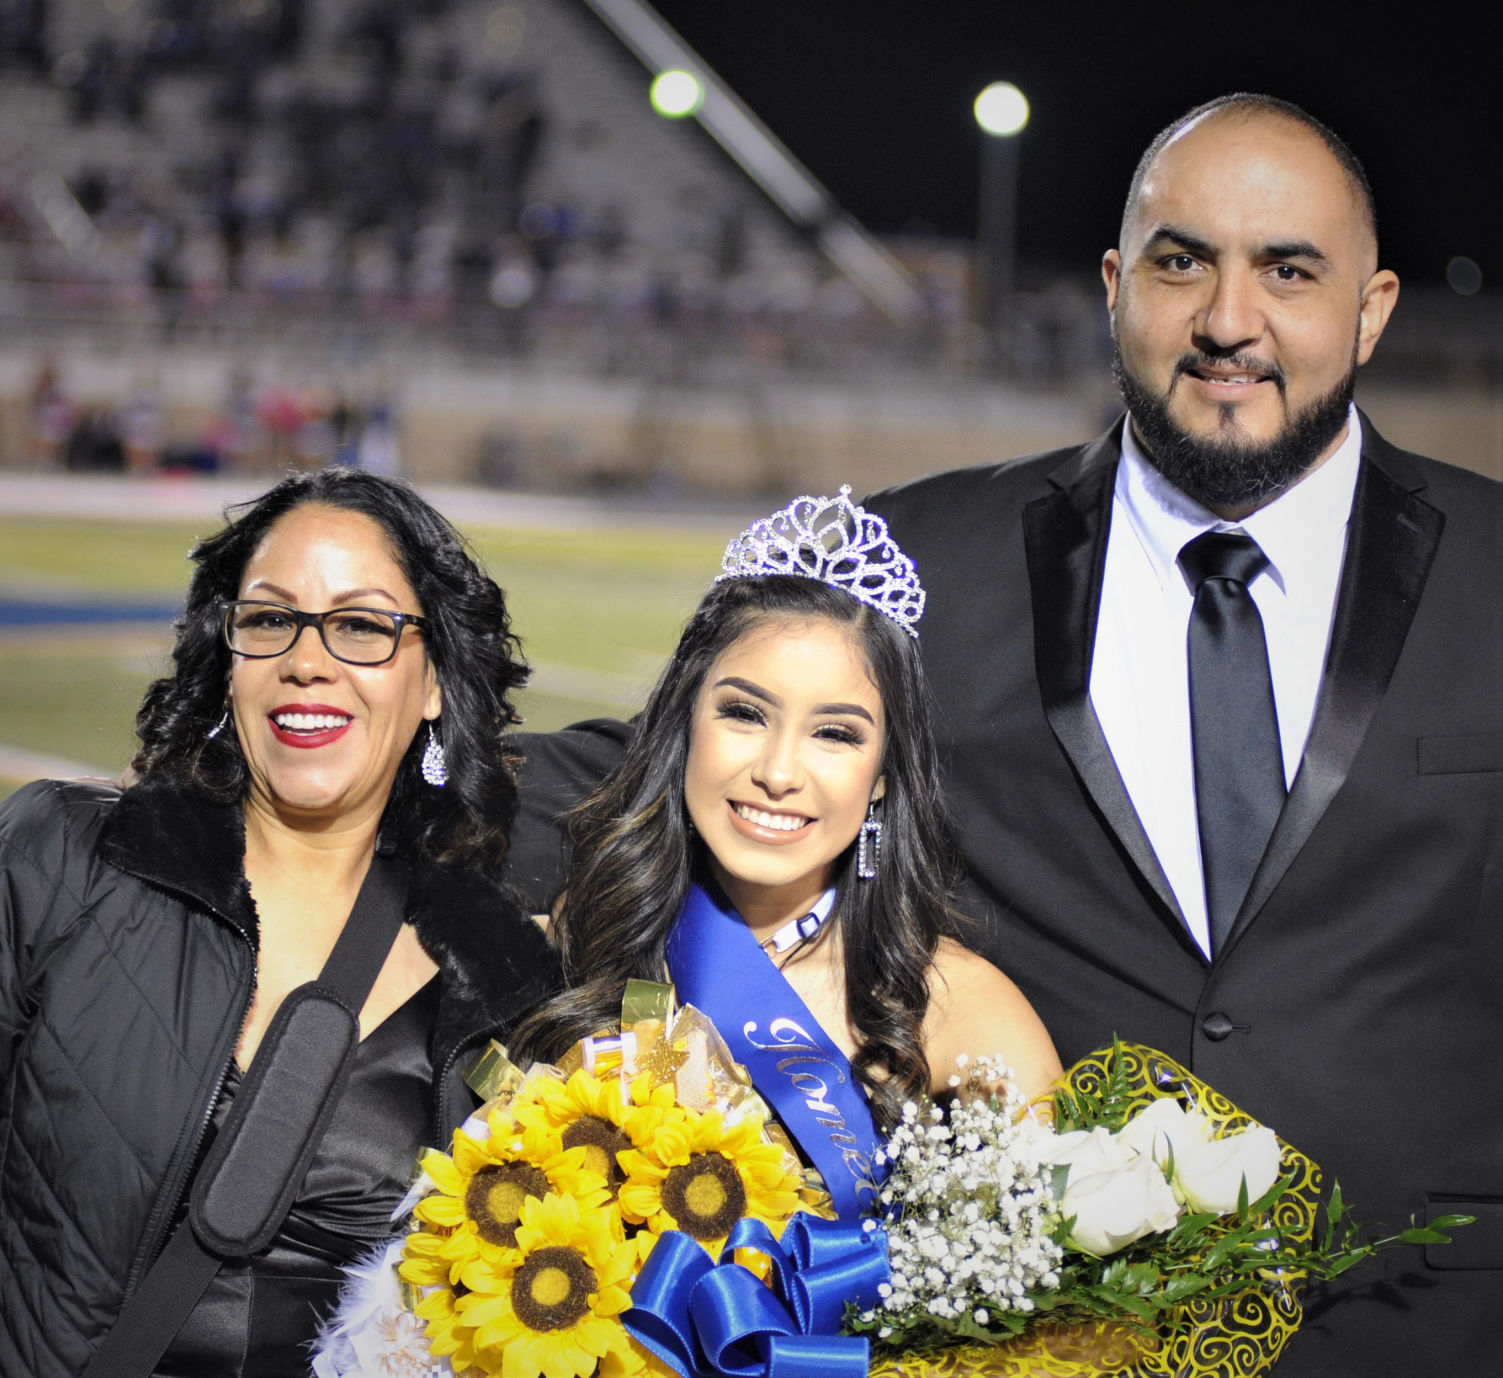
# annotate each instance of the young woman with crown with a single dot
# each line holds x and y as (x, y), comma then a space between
(774, 840)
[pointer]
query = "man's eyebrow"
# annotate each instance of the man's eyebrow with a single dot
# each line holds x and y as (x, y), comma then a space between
(1296, 248)
(1172, 234)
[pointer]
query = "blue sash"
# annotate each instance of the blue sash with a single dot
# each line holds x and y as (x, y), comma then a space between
(718, 967)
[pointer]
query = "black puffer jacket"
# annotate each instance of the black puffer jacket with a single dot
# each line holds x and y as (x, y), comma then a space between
(127, 962)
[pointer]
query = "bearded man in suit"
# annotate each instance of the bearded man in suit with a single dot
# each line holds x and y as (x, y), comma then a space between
(1282, 866)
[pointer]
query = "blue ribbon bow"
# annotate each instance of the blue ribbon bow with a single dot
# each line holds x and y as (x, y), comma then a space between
(708, 1320)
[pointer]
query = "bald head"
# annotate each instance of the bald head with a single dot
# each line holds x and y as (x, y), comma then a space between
(1245, 292)
(1245, 107)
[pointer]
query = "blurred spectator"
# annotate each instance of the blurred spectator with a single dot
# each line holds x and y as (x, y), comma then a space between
(51, 415)
(233, 436)
(93, 446)
(379, 450)
(142, 427)
(344, 427)
(23, 34)
(378, 28)
(281, 413)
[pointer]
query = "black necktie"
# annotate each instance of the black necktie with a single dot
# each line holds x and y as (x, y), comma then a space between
(1234, 729)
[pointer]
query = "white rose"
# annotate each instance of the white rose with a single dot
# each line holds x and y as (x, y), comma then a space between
(1209, 1173)
(1160, 1127)
(1086, 1150)
(1114, 1207)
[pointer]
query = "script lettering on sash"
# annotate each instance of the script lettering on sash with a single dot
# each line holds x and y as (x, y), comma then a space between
(786, 1035)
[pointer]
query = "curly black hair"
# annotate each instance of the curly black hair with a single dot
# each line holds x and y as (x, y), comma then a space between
(468, 639)
(634, 854)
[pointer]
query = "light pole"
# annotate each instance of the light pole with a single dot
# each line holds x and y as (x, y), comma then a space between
(1002, 113)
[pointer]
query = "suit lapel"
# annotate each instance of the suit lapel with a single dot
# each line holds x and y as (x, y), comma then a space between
(1391, 542)
(1065, 537)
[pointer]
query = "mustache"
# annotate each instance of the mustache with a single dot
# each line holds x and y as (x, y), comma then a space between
(1242, 363)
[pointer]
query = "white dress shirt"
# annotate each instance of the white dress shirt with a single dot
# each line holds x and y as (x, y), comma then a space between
(1139, 676)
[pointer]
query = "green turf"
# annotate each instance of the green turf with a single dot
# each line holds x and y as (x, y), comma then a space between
(78, 706)
(107, 559)
(586, 604)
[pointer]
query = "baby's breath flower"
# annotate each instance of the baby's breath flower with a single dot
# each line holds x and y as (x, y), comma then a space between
(969, 1211)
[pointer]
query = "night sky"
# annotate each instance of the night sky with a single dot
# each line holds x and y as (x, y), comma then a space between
(874, 97)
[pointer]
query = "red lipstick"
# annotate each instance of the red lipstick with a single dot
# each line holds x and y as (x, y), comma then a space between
(308, 737)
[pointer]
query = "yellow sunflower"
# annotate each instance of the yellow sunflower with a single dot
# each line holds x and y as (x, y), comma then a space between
(475, 1207)
(593, 1113)
(554, 1308)
(701, 1175)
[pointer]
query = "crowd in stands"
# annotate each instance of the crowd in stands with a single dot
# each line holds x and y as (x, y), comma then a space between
(302, 169)
(395, 182)
(256, 429)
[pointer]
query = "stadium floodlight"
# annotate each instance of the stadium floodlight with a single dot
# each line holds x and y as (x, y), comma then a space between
(764, 159)
(1002, 110)
(1002, 113)
(676, 94)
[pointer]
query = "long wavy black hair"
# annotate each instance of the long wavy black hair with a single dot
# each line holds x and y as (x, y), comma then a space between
(634, 855)
(468, 641)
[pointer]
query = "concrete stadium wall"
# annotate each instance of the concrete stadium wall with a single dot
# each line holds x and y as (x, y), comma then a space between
(536, 429)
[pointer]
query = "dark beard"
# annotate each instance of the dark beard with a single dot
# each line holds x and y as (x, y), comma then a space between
(1232, 473)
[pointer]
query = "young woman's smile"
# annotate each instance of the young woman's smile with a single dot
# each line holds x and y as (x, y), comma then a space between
(785, 755)
(770, 826)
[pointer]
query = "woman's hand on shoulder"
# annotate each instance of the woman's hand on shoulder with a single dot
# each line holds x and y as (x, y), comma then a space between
(975, 1010)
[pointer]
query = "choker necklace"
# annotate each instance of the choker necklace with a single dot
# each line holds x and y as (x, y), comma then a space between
(799, 930)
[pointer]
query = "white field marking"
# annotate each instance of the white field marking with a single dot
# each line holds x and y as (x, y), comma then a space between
(81, 497)
(121, 639)
(17, 763)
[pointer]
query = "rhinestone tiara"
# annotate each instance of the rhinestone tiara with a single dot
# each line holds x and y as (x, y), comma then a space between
(838, 543)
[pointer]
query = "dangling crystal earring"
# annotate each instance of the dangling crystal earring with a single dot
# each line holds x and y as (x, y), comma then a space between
(434, 769)
(869, 844)
(224, 721)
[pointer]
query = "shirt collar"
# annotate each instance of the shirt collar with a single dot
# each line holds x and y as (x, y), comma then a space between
(1289, 529)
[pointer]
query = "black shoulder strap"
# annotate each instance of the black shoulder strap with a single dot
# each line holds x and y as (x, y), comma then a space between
(246, 1184)
(366, 938)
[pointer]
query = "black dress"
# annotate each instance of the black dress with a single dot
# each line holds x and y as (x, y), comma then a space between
(258, 1318)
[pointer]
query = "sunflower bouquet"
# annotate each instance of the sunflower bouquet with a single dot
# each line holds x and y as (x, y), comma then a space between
(637, 1210)
(526, 1237)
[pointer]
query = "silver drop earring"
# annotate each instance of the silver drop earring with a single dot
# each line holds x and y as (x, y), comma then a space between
(224, 721)
(435, 770)
(869, 844)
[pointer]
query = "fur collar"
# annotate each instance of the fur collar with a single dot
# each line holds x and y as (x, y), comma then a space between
(184, 843)
(494, 963)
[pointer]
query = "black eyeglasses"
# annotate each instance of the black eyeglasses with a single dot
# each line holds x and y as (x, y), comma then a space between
(357, 636)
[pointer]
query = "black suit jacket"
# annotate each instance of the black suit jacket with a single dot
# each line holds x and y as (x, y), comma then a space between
(1358, 1005)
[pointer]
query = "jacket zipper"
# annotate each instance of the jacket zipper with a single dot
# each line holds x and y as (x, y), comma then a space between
(179, 1187)
(458, 1051)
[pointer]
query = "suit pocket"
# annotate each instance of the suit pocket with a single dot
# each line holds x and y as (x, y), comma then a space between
(1470, 755)
(1478, 1245)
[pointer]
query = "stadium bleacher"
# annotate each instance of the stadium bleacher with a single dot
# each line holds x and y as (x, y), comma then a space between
(452, 235)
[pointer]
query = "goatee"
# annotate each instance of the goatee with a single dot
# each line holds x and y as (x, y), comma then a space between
(1226, 470)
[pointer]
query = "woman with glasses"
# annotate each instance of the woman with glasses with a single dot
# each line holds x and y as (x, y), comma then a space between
(328, 742)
